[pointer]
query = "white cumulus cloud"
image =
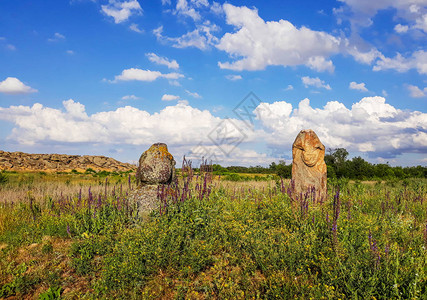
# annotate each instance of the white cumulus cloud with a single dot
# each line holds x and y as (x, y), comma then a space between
(134, 27)
(361, 12)
(258, 44)
(120, 11)
(417, 60)
(399, 28)
(316, 82)
(202, 37)
(127, 125)
(144, 75)
(184, 9)
(171, 64)
(358, 86)
(167, 97)
(369, 125)
(12, 85)
(416, 92)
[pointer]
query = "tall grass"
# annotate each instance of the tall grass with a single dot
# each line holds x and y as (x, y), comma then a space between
(215, 239)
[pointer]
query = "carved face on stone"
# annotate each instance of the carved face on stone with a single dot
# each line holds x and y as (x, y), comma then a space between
(308, 146)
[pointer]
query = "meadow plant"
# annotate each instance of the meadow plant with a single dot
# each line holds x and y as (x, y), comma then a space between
(215, 239)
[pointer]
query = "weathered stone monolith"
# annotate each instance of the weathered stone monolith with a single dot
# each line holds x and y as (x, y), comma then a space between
(156, 166)
(308, 166)
(155, 172)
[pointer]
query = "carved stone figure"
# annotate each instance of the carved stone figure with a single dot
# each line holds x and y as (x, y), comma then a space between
(156, 170)
(156, 166)
(308, 166)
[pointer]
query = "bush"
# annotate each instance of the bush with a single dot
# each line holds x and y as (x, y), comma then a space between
(90, 171)
(3, 178)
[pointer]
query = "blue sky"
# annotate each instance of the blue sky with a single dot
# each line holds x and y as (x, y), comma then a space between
(231, 81)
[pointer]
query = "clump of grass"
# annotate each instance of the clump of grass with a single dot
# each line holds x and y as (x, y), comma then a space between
(3, 178)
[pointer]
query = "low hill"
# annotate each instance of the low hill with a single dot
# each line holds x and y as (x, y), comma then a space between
(19, 161)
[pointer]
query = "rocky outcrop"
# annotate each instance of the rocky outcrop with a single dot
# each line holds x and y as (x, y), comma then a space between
(308, 166)
(19, 161)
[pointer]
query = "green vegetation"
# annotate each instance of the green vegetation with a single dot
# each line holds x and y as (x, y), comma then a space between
(338, 167)
(249, 240)
(358, 168)
(3, 178)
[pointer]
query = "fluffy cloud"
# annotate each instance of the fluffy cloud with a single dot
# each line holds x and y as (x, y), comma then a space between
(418, 61)
(421, 23)
(399, 28)
(120, 11)
(171, 64)
(361, 12)
(182, 8)
(358, 86)
(371, 125)
(134, 27)
(12, 85)
(202, 37)
(167, 97)
(216, 8)
(260, 44)
(416, 92)
(128, 125)
(144, 75)
(316, 82)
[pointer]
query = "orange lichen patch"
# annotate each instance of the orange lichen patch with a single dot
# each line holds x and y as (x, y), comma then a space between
(162, 149)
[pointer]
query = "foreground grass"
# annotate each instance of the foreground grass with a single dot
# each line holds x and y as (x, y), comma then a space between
(368, 241)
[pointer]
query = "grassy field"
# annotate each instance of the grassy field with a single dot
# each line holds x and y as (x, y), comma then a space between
(73, 236)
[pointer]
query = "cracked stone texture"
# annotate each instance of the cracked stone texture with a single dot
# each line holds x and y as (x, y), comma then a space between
(156, 166)
(308, 166)
(145, 198)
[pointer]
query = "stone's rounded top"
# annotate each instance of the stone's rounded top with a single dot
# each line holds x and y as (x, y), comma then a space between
(159, 145)
(308, 143)
(162, 150)
(156, 165)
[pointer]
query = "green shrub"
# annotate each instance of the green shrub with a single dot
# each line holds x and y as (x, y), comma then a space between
(3, 178)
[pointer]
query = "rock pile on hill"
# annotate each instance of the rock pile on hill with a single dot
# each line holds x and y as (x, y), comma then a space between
(308, 166)
(19, 161)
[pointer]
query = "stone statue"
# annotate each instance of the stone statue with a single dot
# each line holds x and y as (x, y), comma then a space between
(156, 166)
(155, 172)
(308, 166)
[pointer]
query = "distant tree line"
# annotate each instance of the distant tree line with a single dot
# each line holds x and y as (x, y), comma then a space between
(358, 168)
(339, 166)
